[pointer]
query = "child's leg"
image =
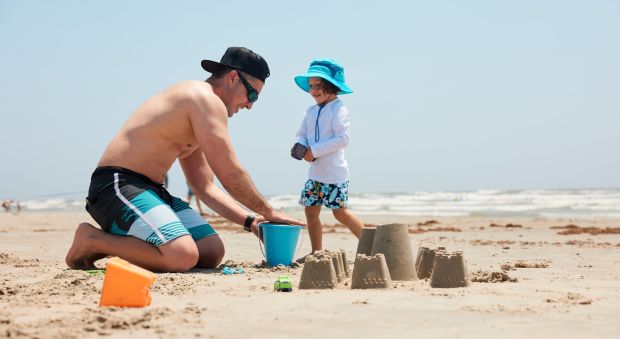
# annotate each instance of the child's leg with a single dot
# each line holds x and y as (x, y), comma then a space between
(315, 229)
(347, 218)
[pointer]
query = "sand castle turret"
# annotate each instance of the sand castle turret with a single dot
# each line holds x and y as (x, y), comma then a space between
(338, 265)
(318, 272)
(450, 270)
(370, 272)
(364, 245)
(345, 263)
(426, 260)
(393, 241)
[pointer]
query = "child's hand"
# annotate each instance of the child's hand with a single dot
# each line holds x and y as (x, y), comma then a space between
(309, 157)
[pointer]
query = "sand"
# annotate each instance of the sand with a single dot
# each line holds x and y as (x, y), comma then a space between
(530, 279)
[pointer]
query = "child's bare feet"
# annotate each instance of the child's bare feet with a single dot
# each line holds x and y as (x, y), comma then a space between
(80, 256)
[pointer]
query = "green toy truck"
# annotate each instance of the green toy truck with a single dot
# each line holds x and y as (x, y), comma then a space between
(283, 284)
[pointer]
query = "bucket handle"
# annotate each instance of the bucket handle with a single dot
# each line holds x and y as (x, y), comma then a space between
(260, 237)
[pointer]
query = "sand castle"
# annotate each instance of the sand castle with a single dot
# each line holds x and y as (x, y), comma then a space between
(425, 261)
(324, 270)
(450, 270)
(393, 241)
(318, 272)
(370, 272)
(364, 245)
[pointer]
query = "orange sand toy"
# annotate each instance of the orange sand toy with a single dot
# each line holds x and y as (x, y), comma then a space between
(126, 284)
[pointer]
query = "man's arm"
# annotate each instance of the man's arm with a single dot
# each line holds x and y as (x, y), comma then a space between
(209, 121)
(200, 178)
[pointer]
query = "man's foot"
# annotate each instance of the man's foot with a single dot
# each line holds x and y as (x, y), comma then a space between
(79, 256)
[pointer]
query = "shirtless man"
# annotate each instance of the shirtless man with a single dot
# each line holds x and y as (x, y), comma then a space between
(141, 222)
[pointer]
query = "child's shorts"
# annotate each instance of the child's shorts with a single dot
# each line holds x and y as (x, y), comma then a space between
(124, 202)
(316, 193)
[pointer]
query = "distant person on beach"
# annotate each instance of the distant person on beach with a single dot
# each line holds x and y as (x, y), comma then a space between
(141, 222)
(322, 138)
(190, 195)
(6, 204)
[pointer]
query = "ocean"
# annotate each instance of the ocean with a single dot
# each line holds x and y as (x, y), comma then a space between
(545, 203)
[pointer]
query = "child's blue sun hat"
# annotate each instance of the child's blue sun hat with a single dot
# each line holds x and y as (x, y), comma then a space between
(327, 69)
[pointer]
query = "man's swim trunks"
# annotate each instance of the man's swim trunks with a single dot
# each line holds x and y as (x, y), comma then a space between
(125, 202)
(316, 193)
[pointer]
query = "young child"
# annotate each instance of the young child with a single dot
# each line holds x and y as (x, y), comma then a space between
(324, 132)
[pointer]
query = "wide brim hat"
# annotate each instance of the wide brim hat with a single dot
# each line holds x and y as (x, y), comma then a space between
(327, 69)
(240, 58)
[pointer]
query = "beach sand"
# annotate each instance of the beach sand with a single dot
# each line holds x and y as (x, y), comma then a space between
(567, 285)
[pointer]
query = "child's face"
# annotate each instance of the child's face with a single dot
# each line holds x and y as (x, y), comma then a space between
(318, 92)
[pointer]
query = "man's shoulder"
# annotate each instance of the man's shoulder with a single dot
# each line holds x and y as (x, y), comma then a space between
(192, 87)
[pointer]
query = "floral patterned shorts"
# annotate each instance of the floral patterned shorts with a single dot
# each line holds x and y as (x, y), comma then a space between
(316, 193)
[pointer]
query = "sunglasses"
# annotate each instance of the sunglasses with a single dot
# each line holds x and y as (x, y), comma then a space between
(252, 93)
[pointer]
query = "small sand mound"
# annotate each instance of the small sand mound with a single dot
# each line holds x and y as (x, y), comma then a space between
(7, 259)
(571, 298)
(491, 277)
(525, 264)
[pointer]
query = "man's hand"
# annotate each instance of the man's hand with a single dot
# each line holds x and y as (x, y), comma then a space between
(309, 157)
(254, 226)
(277, 218)
(282, 218)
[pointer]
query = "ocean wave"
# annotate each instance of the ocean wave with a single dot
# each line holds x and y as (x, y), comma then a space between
(488, 202)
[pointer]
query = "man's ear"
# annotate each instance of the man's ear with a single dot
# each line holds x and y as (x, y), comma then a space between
(232, 76)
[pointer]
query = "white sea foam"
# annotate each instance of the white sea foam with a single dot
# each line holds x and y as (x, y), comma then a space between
(527, 203)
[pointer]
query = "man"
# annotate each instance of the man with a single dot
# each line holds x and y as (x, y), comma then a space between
(141, 221)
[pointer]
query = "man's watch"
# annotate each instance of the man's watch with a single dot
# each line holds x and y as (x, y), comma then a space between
(248, 222)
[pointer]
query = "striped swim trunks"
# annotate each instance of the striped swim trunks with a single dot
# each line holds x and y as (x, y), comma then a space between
(124, 202)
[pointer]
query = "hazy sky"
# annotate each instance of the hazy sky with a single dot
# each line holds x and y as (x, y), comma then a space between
(449, 95)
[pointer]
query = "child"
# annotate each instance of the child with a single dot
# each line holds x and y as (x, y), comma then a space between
(324, 132)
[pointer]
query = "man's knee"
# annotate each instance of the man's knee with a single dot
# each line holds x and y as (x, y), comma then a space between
(180, 255)
(211, 251)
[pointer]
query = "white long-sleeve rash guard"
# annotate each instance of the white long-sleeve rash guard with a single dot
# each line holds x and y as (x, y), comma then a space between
(327, 138)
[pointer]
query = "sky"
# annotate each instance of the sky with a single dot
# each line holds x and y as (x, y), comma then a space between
(448, 95)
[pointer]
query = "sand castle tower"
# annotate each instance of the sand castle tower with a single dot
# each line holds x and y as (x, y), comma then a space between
(393, 241)
(426, 260)
(345, 263)
(318, 272)
(364, 245)
(450, 270)
(338, 265)
(370, 272)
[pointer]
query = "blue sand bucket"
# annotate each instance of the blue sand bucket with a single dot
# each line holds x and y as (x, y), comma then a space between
(280, 242)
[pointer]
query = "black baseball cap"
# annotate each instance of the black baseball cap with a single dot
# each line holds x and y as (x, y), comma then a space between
(240, 58)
